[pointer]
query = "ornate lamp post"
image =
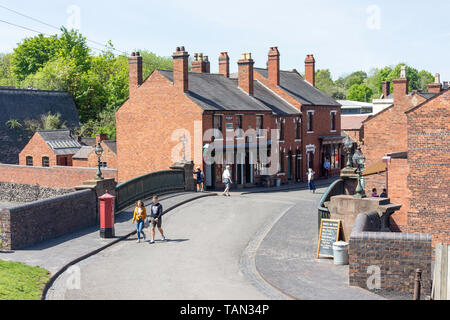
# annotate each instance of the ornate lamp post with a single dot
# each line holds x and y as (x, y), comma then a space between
(348, 146)
(359, 160)
(99, 152)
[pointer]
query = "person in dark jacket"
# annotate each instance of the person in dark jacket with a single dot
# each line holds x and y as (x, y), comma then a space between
(156, 213)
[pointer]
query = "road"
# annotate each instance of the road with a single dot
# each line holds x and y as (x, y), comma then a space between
(214, 246)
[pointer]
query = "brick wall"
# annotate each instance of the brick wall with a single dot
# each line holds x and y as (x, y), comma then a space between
(37, 148)
(57, 177)
(429, 162)
(108, 156)
(397, 255)
(15, 192)
(31, 223)
(399, 192)
(386, 132)
(144, 139)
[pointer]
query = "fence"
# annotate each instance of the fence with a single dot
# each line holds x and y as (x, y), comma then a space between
(441, 278)
(148, 185)
(335, 189)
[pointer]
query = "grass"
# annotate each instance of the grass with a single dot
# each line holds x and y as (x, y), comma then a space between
(21, 282)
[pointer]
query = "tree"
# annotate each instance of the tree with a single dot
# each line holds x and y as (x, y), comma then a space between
(360, 92)
(357, 77)
(324, 81)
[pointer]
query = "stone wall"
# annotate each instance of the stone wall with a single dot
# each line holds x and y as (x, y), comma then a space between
(16, 192)
(397, 255)
(31, 223)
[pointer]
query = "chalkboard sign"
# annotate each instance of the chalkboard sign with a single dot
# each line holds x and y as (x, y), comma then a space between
(329, 234)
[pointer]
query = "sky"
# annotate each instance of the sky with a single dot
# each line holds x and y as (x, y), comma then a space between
(344, 36)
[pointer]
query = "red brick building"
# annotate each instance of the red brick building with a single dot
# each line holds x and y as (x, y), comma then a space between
(429, 168)
(87, 158)
(228, 118)
(49, 148)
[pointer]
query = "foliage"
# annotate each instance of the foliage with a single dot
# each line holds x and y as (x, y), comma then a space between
(47, 121)
(21, 282)
(13, 124)
(360, 92)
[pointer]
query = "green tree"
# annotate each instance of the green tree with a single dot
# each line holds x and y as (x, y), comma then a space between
(357, 77)
(360, 92)
(324, 81)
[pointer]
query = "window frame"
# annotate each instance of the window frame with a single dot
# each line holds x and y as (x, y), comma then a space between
(29, 161)
(45, 162)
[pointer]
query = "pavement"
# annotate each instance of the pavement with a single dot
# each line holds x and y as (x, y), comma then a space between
(250, 246)
(55, 254)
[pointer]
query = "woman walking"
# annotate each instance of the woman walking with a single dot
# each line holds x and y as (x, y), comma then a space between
(140, 214)
(311, 185)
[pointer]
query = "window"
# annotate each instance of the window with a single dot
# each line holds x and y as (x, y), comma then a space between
(310, 121)
(298, 134)
(45, 162)
(217, 123)
(229, 126)
(333, 120)
(259, 125)
(239, 130)
(103, 164)
(280, 127)
(29, 161)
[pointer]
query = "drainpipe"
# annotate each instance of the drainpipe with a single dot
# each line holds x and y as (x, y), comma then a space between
(386, 161)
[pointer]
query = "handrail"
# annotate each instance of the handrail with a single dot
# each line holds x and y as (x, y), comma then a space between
(147, 185)
(336, 188)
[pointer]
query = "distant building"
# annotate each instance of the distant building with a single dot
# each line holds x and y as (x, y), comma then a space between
(59, 148)
(23, 104)
(355, 107)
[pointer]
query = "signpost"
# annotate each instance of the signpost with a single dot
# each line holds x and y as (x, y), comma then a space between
(329, 234)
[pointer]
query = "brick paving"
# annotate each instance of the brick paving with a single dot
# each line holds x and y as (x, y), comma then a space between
(56, 253)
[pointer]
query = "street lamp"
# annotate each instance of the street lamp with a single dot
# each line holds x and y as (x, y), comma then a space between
(359, 160)
(99, 152)
(348, 146)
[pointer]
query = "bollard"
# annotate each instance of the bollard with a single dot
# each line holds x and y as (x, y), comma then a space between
(418, 280)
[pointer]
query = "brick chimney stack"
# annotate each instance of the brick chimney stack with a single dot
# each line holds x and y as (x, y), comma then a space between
(100, 137)
(310, 69)
(135, 72)
(224, 64)
(435, 87)
(386, 88)
(401, 85)
(245, 73)
(207, 64)
(180, 69)
(273, 66)
(200, 63)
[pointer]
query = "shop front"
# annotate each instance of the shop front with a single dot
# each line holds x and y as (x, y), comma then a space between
(331, 151)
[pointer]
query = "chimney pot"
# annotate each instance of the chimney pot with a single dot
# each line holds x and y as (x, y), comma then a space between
(386, 88)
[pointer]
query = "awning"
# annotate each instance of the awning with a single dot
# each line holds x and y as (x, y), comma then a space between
(332, 139)
(376, 168)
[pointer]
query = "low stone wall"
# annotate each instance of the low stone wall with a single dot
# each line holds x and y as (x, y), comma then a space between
(53, 177)
(16, 192)
(34, 222)
(397, 255)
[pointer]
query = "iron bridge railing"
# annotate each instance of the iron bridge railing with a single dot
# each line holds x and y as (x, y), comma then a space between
(335, 189)
(145, 186)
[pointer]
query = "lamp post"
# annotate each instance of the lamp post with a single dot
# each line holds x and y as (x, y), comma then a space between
(359, 160)
(99, 152)
(348, 146)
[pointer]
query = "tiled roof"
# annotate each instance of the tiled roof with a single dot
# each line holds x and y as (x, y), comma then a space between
(61, 141)
(111, 145)
(22, 105)
(214, 92)
(83, 152)
(352, 122)
(301, 90)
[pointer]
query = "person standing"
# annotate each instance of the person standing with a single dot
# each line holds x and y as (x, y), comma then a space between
(226, 177)
(327, 167)
(374, 193)
(200, 177)
(156, 213)
(139, 216)
(311, 184)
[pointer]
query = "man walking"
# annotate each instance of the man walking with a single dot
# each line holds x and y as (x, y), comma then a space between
(156, 212)
(227, 181)
(311, 184)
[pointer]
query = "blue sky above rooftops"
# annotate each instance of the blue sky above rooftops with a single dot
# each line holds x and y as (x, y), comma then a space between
(344, 36)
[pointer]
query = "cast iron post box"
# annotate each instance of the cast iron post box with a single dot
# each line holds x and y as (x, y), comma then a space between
(107, 215)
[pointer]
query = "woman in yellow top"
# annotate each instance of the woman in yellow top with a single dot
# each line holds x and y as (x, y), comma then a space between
(140, 214)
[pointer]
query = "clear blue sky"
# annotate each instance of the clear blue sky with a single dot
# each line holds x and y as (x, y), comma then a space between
(343, 35)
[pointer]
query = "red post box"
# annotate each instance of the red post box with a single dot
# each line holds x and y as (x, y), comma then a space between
(107, 215)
